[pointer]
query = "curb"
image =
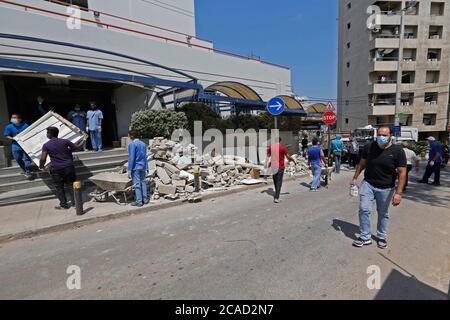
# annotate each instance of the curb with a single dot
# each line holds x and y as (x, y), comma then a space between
(150, 209)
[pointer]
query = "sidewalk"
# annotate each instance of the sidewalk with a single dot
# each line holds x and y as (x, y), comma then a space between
(35, 218)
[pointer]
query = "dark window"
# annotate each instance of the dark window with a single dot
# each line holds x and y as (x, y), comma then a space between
(348, 64)
(347, 102)
(348, 83)
(349, 25)
(348, 45)
(80, 3)
(346, 120)
(349, 5)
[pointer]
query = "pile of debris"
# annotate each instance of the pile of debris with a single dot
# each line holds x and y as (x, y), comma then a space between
(172, 170)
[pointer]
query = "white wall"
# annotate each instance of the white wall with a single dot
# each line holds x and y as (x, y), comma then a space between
(129, 99)
(176, 15)
(209, 67)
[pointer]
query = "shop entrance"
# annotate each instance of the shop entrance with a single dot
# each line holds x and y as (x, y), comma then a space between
(61, 95)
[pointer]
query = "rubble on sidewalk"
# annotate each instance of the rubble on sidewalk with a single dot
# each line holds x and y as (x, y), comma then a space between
(171, 169)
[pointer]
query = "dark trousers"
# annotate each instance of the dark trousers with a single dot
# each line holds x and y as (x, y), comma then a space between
(436, 169)
(63, 180)
(353, 160)
(408, 168)
(278, 182)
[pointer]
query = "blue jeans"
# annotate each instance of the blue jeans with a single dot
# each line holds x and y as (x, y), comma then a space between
(140, 186)
(22, 159)
(383, 197)
(96, 139)
(316, 170)
(337, 160)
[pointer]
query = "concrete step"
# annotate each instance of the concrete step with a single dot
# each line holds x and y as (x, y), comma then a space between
(82, 158)
(36, 194)
(109, 162)
(45, 179)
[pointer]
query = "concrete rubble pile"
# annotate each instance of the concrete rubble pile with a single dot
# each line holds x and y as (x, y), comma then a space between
(171, 170)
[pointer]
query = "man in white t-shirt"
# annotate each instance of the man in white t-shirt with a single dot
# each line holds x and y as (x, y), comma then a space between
(411, 158)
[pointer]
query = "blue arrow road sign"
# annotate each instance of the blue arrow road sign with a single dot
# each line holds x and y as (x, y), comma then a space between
(276, 106)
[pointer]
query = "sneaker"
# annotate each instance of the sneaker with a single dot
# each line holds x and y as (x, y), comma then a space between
(28, 176)
(361, 243)
(421, 181)
(276, 200)
(313, 190)
(139, 205)
(382, 243)
(436, 184)
(146, 202)
(66, 207)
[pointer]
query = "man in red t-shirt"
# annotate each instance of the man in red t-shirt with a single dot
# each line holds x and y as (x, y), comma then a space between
(276, 160)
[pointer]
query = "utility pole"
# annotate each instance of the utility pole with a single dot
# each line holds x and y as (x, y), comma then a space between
(398, 95)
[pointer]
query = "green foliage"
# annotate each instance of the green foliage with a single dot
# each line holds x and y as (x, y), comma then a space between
(197, 111)
(420, 148)
(157, 123)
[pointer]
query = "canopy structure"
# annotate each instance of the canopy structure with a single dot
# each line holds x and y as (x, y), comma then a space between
(317, 108)
(291, 103)
(235, 90)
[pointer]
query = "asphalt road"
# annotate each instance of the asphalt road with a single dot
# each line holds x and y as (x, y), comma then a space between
(243, 246)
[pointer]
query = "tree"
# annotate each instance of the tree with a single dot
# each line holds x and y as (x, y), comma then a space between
(197, 111)
(157, 123)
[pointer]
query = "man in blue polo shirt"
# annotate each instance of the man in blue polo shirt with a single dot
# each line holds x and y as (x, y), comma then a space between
(94, 126)
(434, 162)
(13, 129)
(137, 168)
(78, 118)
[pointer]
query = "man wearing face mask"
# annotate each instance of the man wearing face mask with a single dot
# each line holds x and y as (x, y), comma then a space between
(78, 118)
(94, 126)
(17, 126)
(382, 162)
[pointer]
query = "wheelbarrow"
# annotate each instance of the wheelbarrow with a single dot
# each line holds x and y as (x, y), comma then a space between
(111, 184)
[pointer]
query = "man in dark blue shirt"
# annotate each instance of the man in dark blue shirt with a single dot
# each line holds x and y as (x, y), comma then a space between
(137, 168)
(13, 129)
(435, 159)
(62, 168)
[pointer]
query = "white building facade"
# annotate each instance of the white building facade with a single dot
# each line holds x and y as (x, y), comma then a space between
(161, 32)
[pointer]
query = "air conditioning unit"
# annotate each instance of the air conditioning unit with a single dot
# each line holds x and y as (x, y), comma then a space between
(427, 103)
(433, 102)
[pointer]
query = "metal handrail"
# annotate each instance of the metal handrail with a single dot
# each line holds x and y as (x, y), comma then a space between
(28, 7)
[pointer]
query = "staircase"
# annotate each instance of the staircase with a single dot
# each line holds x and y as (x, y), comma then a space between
(14, 188)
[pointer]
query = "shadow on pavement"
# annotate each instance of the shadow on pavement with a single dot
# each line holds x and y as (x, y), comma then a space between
(426, 194)
(271, 192)
(401, 287)
(349, 229)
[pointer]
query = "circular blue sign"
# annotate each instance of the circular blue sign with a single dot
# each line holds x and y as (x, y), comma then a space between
(276, 106)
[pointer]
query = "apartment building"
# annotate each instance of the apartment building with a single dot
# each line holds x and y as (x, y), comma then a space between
(369, 53)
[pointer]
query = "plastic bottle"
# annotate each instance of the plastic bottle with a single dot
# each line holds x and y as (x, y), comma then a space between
(354, 191)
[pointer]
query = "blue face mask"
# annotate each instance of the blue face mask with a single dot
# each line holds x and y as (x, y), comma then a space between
(382, 141)
(14, 121)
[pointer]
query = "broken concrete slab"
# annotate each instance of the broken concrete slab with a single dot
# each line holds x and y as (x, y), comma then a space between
(162, 174)
(166, 189)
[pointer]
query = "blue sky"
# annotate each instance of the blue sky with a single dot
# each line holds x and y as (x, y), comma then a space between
(301, 34)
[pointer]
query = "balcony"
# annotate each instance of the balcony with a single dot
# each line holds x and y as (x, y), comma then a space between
(383, 110)
(382, 104)
(383, 87)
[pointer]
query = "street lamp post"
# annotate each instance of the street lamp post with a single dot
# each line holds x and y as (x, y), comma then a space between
(398, 94)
